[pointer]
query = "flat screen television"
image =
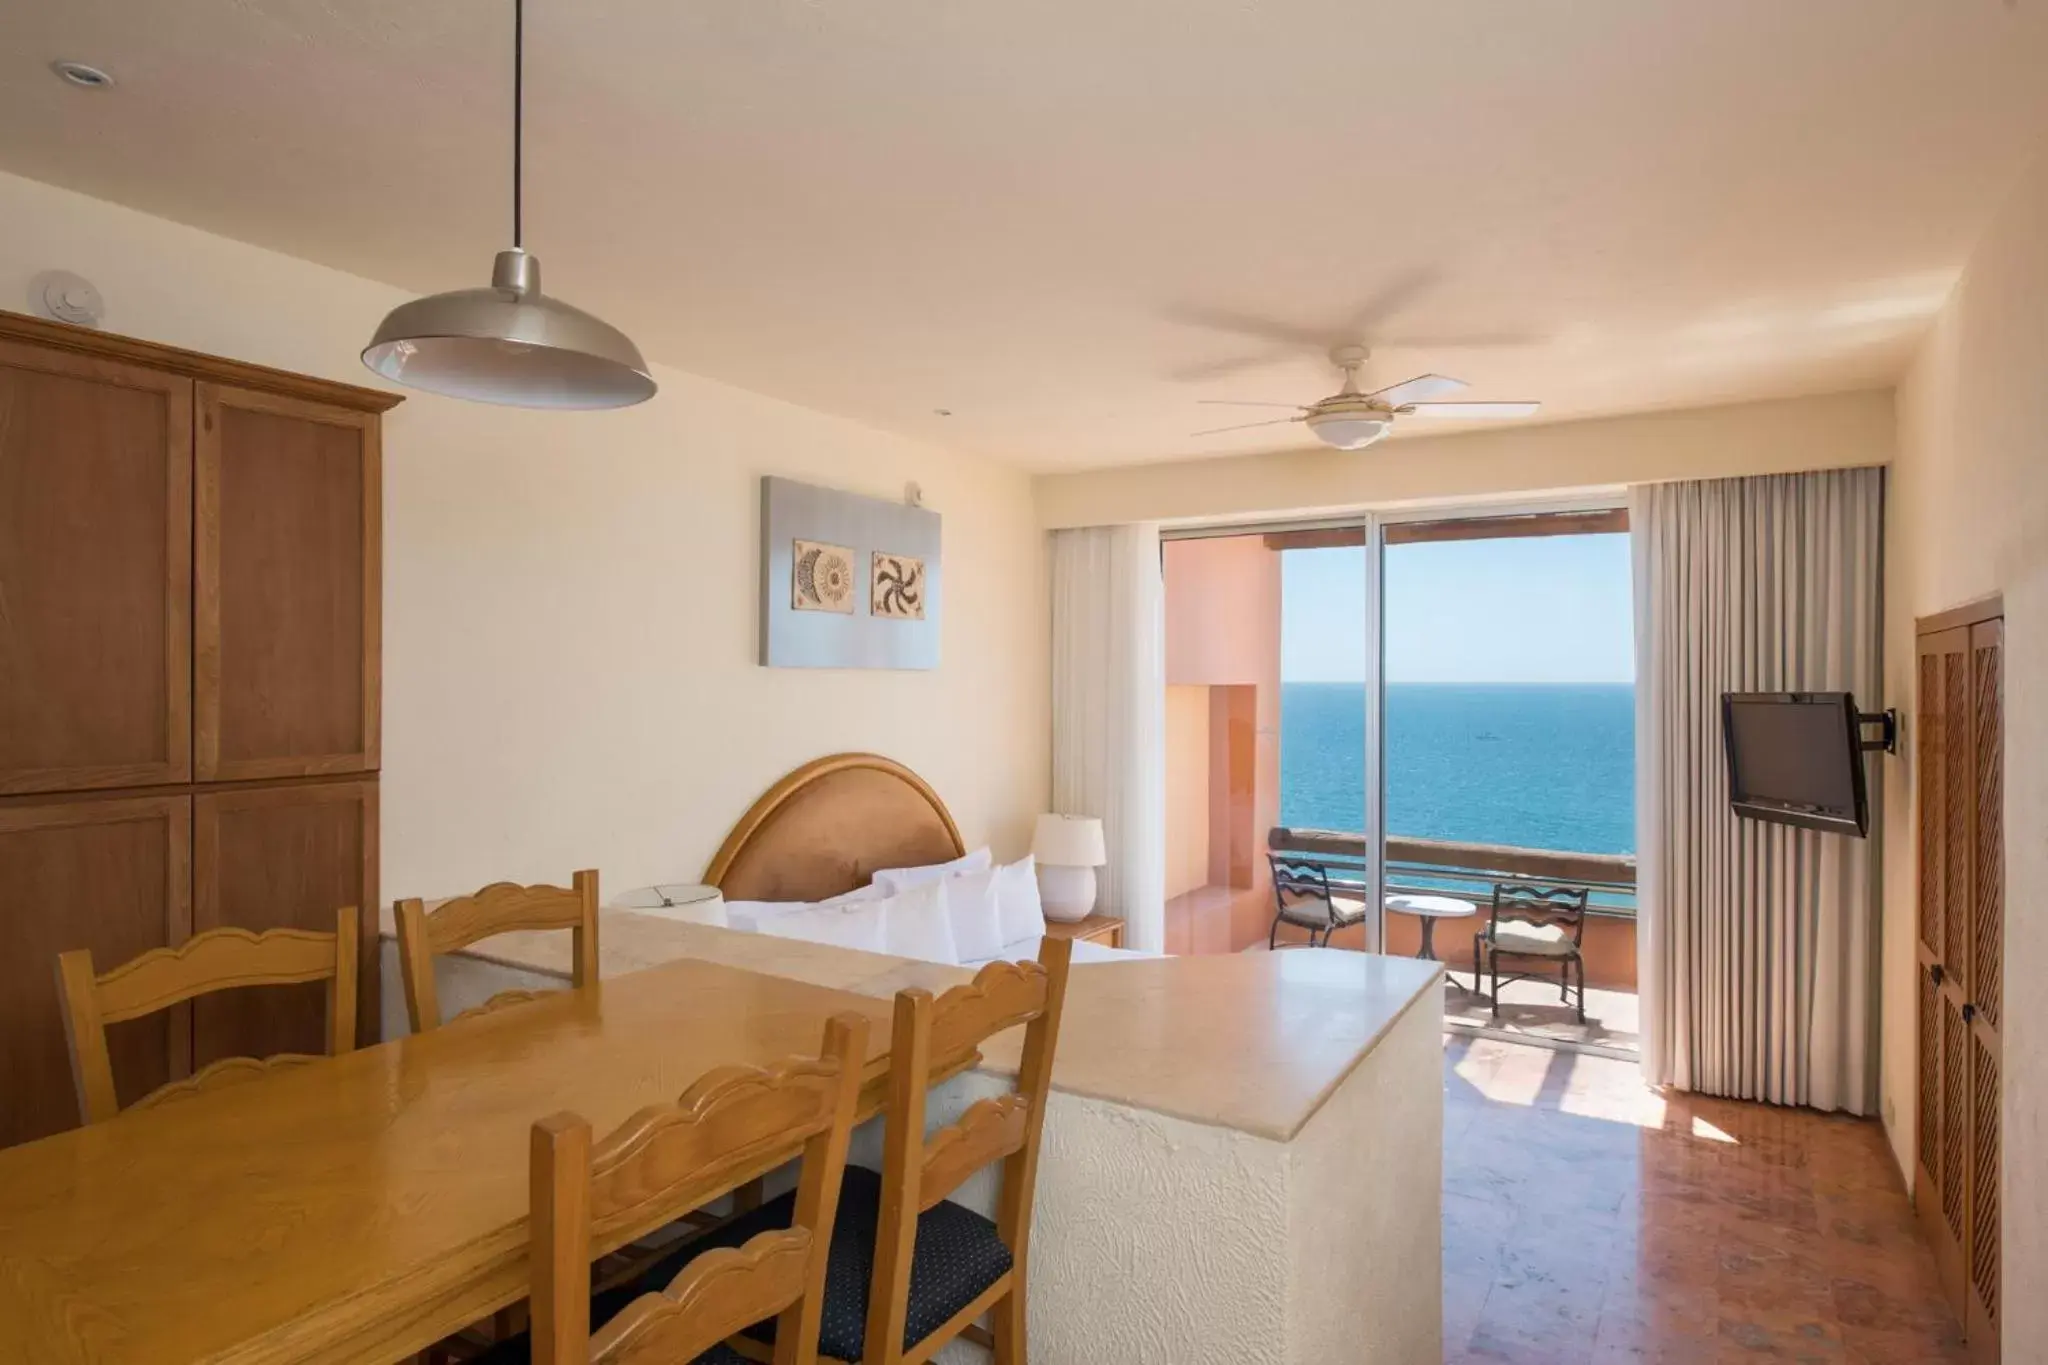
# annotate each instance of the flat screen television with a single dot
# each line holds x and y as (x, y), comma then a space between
(1797, 758)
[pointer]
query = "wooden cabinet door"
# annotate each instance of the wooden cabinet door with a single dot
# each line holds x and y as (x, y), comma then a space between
(1942, 773)
(287, 583)
(1961, 964)
(113, 876)
(284, 857)
(1984, 1011)
(95, 573)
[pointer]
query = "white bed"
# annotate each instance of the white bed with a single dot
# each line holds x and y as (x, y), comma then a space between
(822, 848)
(1084, 951)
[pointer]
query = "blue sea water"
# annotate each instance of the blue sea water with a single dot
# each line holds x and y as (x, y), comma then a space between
(1537, 765)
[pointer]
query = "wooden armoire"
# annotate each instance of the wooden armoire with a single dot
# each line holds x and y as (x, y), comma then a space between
(1961, 957)
(189, 687)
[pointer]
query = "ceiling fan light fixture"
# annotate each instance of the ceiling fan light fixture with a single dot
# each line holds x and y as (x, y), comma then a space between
(1349, 430)
(509, 343)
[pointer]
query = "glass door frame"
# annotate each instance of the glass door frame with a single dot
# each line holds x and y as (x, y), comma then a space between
(1375, 523)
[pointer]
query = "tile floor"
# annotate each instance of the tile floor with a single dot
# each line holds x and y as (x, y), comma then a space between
(1590, 1221)
(1533, 1008)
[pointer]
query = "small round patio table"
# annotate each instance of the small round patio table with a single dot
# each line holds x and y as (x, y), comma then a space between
(1430, 909)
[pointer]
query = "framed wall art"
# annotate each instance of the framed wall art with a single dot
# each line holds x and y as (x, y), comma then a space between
(847, 581)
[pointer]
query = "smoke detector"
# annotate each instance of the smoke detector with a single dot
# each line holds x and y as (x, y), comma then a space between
(68, 298)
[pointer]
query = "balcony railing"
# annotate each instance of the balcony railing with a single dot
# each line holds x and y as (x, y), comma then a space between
(1466, 870)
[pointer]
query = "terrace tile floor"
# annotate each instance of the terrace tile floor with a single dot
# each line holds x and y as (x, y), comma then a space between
(1532, 1009)
(1591, 1221)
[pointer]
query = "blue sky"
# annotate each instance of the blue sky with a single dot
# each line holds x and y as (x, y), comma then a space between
(1549, 609)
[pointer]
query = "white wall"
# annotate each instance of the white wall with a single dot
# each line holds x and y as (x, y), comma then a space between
(1784, 436)
(569, 674)
(1968, 516)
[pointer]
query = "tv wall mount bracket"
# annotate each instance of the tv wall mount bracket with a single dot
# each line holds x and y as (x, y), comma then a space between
(1887, 739)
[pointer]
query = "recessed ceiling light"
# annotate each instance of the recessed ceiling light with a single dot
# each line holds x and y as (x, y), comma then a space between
(83, 76)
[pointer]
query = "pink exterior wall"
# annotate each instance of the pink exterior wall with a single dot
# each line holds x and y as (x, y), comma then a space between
(1223, 636)
(1222, 612)
(1187, 789)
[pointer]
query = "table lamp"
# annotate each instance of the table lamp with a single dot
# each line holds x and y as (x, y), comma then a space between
(1068, 849)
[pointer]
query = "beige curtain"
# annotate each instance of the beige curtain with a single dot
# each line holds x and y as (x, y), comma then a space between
(1758, 942)
(1109, 713)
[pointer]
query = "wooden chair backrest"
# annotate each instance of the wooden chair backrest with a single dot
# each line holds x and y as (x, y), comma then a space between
(217, 960)
(500, 908)
(919, 1170)
(734, 1124)
(1562, 907)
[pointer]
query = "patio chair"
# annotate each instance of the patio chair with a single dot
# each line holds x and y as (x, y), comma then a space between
(1532, 925)
(1302, 898)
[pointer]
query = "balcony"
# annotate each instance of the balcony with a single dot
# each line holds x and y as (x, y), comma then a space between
(1468, 872)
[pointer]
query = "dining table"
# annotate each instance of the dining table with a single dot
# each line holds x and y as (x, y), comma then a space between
(362, 1207)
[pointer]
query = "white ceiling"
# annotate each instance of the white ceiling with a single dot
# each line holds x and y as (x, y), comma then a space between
(1049, 217)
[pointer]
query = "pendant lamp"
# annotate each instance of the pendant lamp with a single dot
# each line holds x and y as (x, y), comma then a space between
(510, 343)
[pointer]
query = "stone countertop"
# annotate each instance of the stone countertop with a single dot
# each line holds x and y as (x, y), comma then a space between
(1254, 1042)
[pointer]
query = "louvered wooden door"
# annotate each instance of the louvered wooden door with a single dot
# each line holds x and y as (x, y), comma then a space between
(1961, 937)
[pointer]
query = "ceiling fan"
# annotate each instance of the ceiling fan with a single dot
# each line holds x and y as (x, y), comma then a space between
(1351, 419)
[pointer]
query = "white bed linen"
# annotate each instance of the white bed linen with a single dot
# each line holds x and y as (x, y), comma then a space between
(1084, 951)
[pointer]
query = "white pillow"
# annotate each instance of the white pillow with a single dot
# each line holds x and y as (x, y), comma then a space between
(916, 923)
(1019, 915)
(971, 906)
(902, 878)
(849, 924)
(744, 915)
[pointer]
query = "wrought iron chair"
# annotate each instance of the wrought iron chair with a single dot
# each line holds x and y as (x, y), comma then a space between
(1530, 925)
(1302, 898)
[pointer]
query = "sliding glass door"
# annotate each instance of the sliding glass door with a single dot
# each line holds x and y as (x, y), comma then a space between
(1503, 741)
(1417, 706)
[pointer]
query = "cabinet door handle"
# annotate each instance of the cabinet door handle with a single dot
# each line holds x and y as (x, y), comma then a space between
(1969, 1013)
(1937, 974)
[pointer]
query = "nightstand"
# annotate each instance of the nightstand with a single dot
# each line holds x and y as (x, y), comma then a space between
(1104, 929)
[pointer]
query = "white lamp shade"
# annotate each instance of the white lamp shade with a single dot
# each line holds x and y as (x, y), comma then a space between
(1069, 841)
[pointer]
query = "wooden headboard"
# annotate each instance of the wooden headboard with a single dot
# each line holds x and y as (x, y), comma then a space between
(830, 826)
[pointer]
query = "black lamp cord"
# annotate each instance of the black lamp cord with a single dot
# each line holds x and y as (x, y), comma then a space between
(518, 112)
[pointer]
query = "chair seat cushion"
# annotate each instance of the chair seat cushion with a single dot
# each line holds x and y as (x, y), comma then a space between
(1533, 940)
(603, 1308)
(1316, 914)
(958, 1256)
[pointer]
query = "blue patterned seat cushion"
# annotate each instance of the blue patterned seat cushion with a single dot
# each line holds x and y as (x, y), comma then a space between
(603, 1308)
(958, 1256)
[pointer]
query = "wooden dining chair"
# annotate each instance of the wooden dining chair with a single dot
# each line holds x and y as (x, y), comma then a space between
(735, 1124)
(910, 1269)
(500, 908)
(217, 960)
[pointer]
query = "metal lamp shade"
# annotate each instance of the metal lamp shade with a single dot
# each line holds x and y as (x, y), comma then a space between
(509, 344)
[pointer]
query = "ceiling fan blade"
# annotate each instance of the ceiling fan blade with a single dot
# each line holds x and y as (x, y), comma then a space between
(1218, 431)
(1224, 369)
(1277, 331)
(1469, 409)
(1454, 341)
(1416, 390)
(1401, 291)
(1247, 403)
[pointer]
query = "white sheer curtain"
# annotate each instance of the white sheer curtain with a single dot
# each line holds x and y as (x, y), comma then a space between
(1757, 942)
(1108, 712)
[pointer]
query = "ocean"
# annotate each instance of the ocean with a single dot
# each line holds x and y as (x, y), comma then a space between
(1537, 765)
